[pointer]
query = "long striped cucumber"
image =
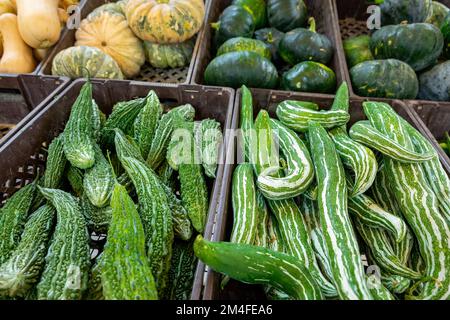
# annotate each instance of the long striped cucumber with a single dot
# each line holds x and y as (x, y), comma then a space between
(396, 284)
(267, 155)
(126, 272)
(247, 125)
(299, 172)
(97, 219)
(56, 163)
(372, 215)
(311, 192)
(156, 218)
(377, 289)
(245, 206)
(419, 205)
(295, 116)
(163, 133)
(363, 132)
(382, 252)
(274, 240)
(259, 266)
(145, 123)
(348, 273)
(79, 131)
(262, 229)
(22, 270)
(13, 216)
(75, 177)
(297, 241)
(66, 271)
(99, 180)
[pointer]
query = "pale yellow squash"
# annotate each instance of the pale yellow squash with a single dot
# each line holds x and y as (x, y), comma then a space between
(6, 6)
(17, 56)
(39, 23)
(109, 31)
(165, 21)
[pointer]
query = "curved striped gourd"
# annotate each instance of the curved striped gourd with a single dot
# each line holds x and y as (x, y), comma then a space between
(311, 192)
(66, 270)
(97, 219)
(295, 237)
(259, 266)
(211, 139)
(56, 163)
(126, 272)
(145, 123)
(79, 132)
(163, 133)
(348, 273)
(99, 180)
(295, 116)
(363, 132)
(299, 171)
(263, 216)
(396, 284)
(274, 240)
(75, 177)
(245, 206)
(382, 252)
(13, 216)
(247, 125)
(267, 156)
(156, 217)
(377, 289)
(22, 270)
(372, 215)
(418, 203)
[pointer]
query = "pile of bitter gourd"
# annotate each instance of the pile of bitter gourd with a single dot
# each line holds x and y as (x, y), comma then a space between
(110, 176)
(304, 216)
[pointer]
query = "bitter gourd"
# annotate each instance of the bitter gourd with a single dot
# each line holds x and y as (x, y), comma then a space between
(97, 219)
(13, 216)
(79, 131)
(66, 270)
(98, 120)
(211, 141)
(22, 270)
(95, 288)
(56, 163)
(166, 174)
(126, 272)
(75, 177)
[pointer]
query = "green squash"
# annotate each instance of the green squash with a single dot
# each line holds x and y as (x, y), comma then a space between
(234, 22)
(418, 44)
(435, 83)
(84, 62)
(235, 69)
(445, 29)
(245, 44)
(113, 7)
(437, 14)
(302, 44)
(272, 38)
(169, 55)
(385, 79)
(257, 8)
(398, 11)
(357, 50)
(310, 76)
(286, 15)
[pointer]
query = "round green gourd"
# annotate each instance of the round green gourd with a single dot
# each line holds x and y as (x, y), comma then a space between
(445, 29)
(397, 11)
(83, 62)
(272, 38)
(418, 44)
(245, 44)
(385, 79)
(286, 15)
(302, 44)
(257, 8)
(310, 76)
(357, 50)
(235, 69)
(437, 14)
(435, 83)
(234, 22)
(163, 56)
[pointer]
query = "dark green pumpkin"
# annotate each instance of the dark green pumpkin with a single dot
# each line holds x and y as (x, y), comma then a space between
(445, 29)
(418, 44)
(357, 50)
(272, 38)
(437, 14)
(435, 83)
(411, 11)
(310, 76)
(302, 44)
(245, 44)
(286, 15)
(234, 22)
(257, 8)
(235, 69)
(385, 79)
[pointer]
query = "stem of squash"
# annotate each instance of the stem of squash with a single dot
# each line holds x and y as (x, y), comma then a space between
(312, 24)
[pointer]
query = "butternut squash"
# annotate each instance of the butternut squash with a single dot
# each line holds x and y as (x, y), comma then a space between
(17, 56)
(39, 23)
(6, 6)
(40, 54)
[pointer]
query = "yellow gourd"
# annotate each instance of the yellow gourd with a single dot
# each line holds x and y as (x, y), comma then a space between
(40, 54)
(17, 56)
(6, 6)
(39, 23)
